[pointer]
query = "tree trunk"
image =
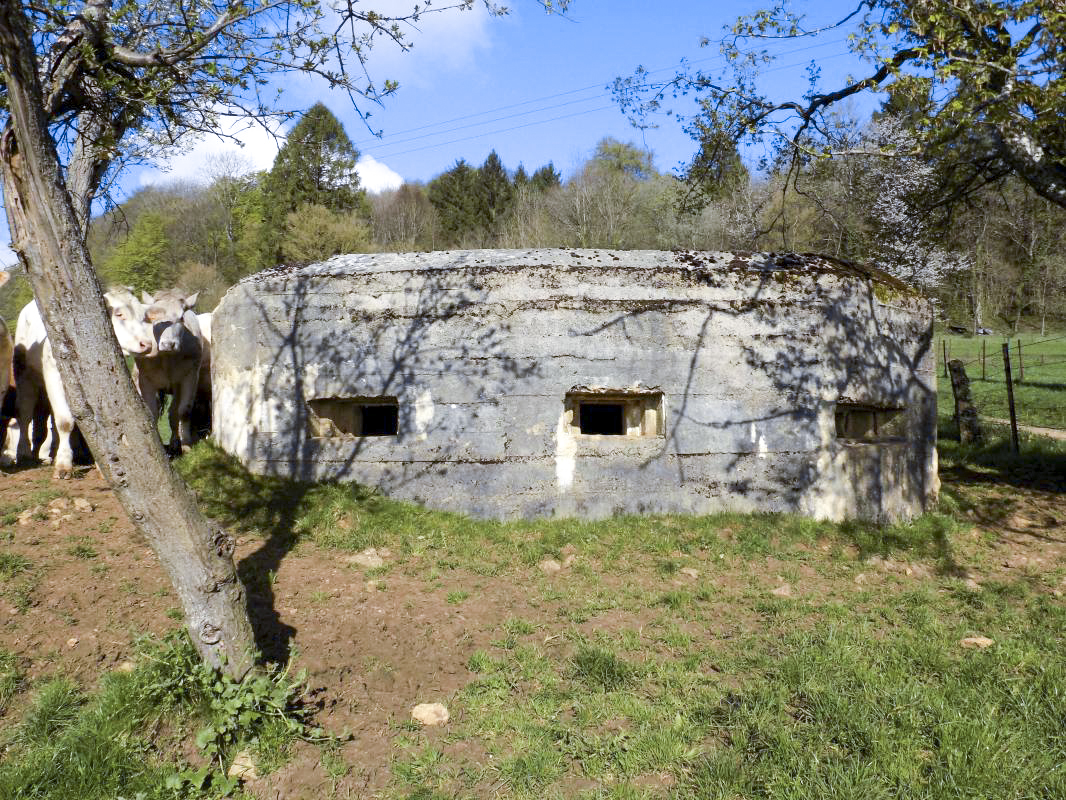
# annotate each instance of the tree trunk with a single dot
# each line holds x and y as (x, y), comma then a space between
(197, 557)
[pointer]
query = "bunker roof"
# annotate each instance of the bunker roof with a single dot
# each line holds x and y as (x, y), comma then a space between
(570, 259)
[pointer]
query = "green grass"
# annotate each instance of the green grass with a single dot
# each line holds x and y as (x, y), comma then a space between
(629, 675)
(1040, 400)
(844, 692)
(350, 518)
(11, 678)
(75, 745)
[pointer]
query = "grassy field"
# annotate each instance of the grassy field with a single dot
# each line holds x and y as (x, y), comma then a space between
(728, 656)
(1040, 399)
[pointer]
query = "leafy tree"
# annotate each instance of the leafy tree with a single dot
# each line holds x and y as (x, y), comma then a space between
(985, 79)
(404, 219)
(87, 87)
(314, 233)
(140, 262)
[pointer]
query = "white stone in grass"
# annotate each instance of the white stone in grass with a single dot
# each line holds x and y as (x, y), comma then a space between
(978, 642)
(369, 559)
(784, 590)
(243, 767)
(82, 505)
(430, 714)
(550, 566)
(689, 572)
(125, 666)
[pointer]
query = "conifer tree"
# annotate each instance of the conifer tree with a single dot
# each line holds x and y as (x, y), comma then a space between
(545, 178)
(455, 196)
(316, 165)
(495, 194)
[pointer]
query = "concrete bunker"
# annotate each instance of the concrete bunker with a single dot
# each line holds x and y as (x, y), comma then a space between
(579, 382)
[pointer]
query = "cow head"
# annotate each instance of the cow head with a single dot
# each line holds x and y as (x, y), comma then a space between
(179, 336)
(127, 318)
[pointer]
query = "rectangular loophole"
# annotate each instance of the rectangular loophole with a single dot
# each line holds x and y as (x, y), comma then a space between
(857, 422)
(602, 419)
(612, 413)
(354, 416)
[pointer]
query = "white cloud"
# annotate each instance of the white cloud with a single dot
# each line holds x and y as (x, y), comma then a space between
(242, 140)
(377, 177)
(447, 40)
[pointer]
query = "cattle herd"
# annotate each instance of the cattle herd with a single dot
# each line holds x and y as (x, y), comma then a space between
(171, 348)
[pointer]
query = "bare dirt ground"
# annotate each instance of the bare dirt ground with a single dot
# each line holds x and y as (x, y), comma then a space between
(371, 650)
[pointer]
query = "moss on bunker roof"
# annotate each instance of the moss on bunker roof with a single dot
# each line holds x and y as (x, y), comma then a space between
(761, 263)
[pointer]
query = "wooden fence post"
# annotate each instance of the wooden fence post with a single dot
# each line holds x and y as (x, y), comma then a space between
(1010, 399)
(965, 412)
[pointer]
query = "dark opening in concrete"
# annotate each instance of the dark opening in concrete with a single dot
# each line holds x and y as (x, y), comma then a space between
(354, 416)
(602, 419)
(856, 422)
(610, 412)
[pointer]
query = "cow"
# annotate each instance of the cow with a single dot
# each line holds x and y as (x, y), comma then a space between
(173, 366)
(201, 407)
(7, 375)
(36, 372)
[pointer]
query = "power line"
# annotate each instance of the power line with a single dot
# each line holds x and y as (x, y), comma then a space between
(599, 86)
(380, 155)
(368, 143)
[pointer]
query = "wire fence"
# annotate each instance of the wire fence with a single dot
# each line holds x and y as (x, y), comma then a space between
(1037, 369)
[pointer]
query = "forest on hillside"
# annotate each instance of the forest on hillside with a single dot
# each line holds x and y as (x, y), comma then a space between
(996, 260)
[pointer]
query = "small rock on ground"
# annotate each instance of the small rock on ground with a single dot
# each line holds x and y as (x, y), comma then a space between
(369, 558)
(689, 572)
(243, 767)
(784, 590)
(550, 566)
(430, 714)
(978, 642)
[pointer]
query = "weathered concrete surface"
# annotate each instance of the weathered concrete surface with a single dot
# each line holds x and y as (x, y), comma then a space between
(751, 354)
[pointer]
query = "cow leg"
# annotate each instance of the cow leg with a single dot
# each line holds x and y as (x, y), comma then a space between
(42, 436)
(187, 396)
(63, 464)
(26, 401)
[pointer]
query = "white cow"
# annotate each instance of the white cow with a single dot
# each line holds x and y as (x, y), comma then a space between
(173, 367)
(36, 371)
(7, 377)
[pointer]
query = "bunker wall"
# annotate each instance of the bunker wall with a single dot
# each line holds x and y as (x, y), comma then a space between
(740, 384)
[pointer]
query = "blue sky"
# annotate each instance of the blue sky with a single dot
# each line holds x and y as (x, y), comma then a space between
(529, 85)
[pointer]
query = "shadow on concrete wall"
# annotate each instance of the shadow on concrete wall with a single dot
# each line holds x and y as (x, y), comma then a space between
(856, 356)
(292, 332)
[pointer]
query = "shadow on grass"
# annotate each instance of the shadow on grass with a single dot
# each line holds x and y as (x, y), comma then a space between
(928, 536)
(1040, 465)
(230, 494)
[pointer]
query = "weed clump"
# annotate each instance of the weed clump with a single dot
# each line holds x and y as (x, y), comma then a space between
(73, 745)
(600, 668)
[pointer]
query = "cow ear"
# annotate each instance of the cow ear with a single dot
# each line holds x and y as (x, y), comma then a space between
(190, 301)
(147, 299)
